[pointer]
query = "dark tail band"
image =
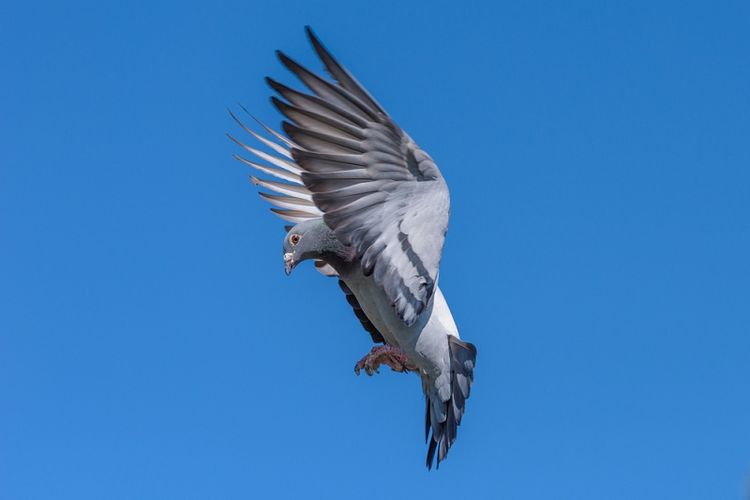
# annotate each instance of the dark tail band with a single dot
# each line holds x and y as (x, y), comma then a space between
(463, 356)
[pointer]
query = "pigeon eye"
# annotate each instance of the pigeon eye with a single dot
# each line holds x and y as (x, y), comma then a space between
(294, 239)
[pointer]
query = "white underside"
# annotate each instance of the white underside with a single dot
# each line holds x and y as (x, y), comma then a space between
(425, 343)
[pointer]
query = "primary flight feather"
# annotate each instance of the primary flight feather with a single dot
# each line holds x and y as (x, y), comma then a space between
(370, 207)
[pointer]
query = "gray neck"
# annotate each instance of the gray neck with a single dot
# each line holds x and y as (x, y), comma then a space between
(329, 246)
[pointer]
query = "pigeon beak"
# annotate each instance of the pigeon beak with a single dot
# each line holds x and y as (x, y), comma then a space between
(288, 263)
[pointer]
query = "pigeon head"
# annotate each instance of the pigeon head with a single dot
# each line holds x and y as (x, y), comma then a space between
(310, 239)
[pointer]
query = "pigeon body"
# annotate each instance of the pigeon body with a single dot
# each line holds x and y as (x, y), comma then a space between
(372, 208)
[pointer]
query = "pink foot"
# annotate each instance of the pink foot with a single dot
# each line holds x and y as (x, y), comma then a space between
(384, 355)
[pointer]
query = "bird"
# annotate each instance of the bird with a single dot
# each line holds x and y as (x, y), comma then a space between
(368, 206)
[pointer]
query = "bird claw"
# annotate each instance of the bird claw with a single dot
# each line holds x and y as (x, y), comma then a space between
(384, 355)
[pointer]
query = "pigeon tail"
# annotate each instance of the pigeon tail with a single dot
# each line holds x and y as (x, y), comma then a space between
(463, 357)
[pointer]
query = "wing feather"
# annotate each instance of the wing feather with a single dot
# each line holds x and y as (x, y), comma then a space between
(295, 203)
(346, 159)
(378, 190)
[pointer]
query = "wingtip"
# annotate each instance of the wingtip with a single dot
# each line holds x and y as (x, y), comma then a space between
(234, 117)
(289, 129)
(320, 49)
(277, 86)
(248, 113)
(255, 118)
(278, 104)
(285, 59)
(311, 35)
(282, 107)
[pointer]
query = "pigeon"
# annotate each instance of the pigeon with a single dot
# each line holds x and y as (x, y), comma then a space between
(371, 208)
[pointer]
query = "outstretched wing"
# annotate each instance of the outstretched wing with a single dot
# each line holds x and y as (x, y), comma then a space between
(379, 192)
(347, 160)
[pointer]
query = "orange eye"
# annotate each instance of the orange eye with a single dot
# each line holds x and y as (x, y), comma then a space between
(294, 239)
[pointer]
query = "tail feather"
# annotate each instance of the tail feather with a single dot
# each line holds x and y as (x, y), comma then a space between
(463, 357)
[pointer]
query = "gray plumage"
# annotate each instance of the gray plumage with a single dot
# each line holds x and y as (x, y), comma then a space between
(372, 208)
(377, 337)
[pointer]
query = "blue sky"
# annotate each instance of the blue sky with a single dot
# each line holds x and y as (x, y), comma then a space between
(597, 155)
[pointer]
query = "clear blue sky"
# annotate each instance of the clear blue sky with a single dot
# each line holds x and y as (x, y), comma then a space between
(599, 165)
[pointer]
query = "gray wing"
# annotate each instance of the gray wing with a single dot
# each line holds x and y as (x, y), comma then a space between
(378, 191)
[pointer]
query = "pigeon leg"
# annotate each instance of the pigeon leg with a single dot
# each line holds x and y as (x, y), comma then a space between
(384, 355)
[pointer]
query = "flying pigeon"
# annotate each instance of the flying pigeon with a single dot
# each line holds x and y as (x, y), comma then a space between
(370, 208)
